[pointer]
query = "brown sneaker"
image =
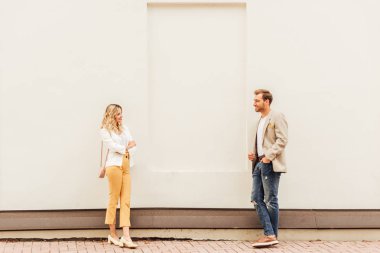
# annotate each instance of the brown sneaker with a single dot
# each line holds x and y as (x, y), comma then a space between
(265, 241)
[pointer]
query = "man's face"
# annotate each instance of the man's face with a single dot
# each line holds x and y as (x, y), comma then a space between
(259, 103)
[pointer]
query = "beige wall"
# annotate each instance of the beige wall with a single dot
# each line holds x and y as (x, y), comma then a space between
(62, 62)
(322, 60)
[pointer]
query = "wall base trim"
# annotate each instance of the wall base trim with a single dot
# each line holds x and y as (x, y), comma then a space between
(174, 218)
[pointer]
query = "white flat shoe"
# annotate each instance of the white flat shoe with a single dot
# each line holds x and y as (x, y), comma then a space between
(128, 243)
(114, 241)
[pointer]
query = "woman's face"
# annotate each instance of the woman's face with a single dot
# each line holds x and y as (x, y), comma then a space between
(119, 117)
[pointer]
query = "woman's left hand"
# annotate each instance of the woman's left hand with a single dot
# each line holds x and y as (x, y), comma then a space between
(131, 144)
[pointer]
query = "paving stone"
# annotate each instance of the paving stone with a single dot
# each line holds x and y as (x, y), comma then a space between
(186, 246)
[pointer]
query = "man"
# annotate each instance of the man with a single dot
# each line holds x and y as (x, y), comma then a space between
(268, 162)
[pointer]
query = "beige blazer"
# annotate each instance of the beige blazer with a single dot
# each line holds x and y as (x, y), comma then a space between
(274, 140)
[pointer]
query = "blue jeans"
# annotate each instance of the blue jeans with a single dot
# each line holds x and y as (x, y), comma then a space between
(264, 196)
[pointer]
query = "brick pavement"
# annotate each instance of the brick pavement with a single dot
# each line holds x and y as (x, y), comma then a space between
(185, 246)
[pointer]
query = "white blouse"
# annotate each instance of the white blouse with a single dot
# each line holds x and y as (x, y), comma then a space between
(117, 144)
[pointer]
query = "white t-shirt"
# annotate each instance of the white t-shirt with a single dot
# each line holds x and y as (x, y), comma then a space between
(259, 137)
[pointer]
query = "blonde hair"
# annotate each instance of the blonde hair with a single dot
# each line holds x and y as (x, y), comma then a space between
(109, 122)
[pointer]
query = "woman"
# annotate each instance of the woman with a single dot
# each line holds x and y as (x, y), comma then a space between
(118, 140)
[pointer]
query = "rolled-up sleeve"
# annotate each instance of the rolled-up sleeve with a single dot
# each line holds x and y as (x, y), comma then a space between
(111, 144)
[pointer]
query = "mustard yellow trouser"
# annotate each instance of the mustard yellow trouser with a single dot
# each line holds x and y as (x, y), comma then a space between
(119, 184)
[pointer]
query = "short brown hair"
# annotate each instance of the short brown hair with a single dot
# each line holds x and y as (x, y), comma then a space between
(266, 95)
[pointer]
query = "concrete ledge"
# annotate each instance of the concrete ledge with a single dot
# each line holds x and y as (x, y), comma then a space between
(173, 218)
(204, 234)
